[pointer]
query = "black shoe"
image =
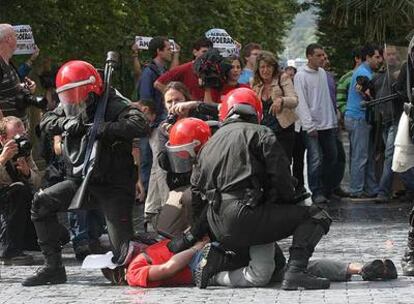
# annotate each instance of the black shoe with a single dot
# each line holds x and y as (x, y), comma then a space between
(407, 263)
(319, 199)
(46, 275)
(20, 259)
(82, 251)
(115, 276)
(390, 270)
(296, 278)
(340, 192)
(211, 262)
(379, 270)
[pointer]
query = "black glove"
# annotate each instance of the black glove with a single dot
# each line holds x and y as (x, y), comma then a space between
(74, 126)
(181, 243)
(164, 161)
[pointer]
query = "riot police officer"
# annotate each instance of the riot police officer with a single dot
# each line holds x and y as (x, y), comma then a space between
(111, 185)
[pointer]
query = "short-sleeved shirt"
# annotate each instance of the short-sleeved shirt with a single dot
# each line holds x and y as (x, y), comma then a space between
(147, 91)
(245, 76)
(157, 254)
(185, 73)
(353, 105)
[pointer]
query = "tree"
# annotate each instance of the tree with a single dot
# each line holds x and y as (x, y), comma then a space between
(68, 29)
(345, 25)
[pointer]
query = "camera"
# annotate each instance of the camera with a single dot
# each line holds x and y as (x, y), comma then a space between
(212, 69)
(24, 146)
(171, 119)
(24, 99)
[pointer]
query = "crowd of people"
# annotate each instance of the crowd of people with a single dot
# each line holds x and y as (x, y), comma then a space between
(211, 147)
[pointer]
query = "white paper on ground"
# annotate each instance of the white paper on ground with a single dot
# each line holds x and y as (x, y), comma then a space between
(99, 261)
(403, 158)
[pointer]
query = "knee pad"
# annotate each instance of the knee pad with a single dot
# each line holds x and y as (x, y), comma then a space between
(321, 217)
(41, 206)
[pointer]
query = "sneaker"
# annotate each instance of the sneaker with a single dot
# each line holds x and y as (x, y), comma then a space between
(211, 262)
(319, 199)
(362, 196)
(46, 275)
(381, 199)
(340, 192)
(20, 259)
(116, 276)
(379, 270)
(390, 270)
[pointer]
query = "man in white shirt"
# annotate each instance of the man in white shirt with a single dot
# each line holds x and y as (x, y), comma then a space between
(316, 111)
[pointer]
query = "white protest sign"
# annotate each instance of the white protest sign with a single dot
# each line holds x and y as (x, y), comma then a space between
(222, 41)
(142, 42)
(25, 40)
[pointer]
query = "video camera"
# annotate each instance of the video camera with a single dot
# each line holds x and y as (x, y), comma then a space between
(212, 69)
(365, 87)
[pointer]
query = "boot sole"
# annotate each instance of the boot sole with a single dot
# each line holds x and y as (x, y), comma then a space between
(201, 273)
(288, 286)
(54, 282)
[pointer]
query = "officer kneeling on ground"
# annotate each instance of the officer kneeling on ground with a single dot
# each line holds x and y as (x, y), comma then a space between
(241, 183)
(111, 183)
(19, 179)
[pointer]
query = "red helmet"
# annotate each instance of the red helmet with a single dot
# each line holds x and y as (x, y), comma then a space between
(187, 136)
(74, 81)
(241, 101)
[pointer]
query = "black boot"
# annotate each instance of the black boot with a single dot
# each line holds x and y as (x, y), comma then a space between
(51, 273)
(407, 261)
(305, 239)
(296, 277)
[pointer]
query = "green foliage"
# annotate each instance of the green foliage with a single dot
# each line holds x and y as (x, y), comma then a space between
(344, 25)
(68, 29)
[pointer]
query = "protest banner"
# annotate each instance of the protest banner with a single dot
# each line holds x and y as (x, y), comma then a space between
(142, 42)
(222, 41)
(25, 40)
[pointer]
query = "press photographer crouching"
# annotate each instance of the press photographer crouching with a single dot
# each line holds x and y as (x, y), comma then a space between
(19, 179)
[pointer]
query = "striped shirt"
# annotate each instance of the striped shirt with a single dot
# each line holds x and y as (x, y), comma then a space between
(9, 88)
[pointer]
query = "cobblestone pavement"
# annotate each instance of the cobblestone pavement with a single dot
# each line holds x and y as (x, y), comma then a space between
(360, 232)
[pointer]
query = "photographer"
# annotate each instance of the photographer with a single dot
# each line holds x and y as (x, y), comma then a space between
(19, 178)
(15, 96)
(188, 75)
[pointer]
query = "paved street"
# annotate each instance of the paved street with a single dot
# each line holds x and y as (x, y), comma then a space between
(361, 232)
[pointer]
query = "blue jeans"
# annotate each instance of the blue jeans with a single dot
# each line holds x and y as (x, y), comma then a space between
(385, 184)
(362, 157)
(145, 161)
(322, 158)
(85, 225)
(408, 179)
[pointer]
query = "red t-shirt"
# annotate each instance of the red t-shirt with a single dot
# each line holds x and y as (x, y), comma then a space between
(138, 270)
(226, 88)
(186, 75)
